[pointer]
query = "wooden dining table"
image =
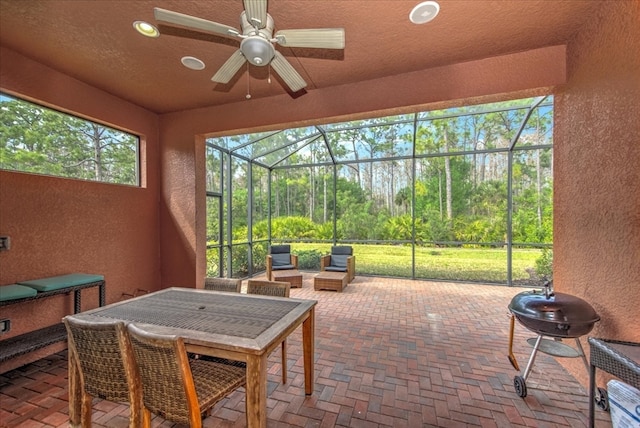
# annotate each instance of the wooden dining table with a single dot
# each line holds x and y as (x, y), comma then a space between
(230, 325)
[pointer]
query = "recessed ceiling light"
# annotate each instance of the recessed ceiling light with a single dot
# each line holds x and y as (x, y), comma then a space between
(192, 63)
(424, 12)
(146, 29)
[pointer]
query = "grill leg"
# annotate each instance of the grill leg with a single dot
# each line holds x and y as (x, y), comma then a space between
(584, 358)
(527, 370)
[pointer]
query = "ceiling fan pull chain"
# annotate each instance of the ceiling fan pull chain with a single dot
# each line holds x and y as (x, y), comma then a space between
(269, 78)
(248, 96)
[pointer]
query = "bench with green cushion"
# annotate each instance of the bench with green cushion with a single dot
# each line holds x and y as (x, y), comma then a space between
(61, 284)
(62, 281)
(41, 288)
(16, 291)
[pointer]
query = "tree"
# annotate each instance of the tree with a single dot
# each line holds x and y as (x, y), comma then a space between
(403, 199)
(40, 140)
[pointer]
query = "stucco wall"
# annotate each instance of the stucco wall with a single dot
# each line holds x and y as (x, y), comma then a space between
(597, 173)
(60, 226)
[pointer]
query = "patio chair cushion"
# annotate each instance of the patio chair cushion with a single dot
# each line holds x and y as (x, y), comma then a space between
(338, 262)
(62, 281)
(281, 261)
(341, 250)
(16, 291)
(281, 249)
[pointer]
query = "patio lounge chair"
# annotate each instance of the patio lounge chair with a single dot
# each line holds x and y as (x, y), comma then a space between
(280, 258)
(341, 259)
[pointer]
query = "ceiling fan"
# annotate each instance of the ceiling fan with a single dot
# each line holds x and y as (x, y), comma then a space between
(257, 40)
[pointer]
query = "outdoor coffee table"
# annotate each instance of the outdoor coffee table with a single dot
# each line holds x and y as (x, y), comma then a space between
(327, 280)
(292, 276)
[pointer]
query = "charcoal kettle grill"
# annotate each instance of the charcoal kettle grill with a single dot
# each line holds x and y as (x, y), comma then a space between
(553, 316)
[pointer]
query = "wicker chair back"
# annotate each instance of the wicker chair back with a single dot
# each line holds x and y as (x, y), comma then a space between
(232, 285)
(176, 387)
(277, 289)
(102, 353)
(268, 288)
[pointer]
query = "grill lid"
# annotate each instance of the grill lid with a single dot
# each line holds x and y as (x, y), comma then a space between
(557, 308)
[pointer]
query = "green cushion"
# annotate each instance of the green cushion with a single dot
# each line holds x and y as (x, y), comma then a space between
(63, 281)
(15, 291)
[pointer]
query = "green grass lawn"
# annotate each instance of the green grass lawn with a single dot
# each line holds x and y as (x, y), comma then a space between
(464, 264)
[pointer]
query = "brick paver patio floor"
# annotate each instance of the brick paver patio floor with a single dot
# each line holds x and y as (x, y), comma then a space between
(389, 353)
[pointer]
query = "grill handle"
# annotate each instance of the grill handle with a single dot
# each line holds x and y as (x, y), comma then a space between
(548, 289)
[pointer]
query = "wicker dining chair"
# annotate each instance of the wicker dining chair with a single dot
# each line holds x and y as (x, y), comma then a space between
(178, 388)
(278, 289)
(103, 355)
(223, 284)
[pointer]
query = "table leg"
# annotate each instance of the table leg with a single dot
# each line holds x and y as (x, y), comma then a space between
(75, 395)
(256, 391)
(308, 346)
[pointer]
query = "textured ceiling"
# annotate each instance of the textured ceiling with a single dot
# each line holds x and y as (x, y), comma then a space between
(94, 41)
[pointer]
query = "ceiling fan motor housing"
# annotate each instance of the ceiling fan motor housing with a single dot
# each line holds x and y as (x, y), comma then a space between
(257, 50)
(256, 46)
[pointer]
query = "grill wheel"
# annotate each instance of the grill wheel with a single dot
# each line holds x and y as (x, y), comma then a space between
(520, 385)
(602, 399)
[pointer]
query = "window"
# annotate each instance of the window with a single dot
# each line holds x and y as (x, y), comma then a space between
(39, 140)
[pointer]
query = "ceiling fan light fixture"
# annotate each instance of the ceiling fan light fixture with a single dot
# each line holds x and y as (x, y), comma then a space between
(146, 29)
(257, 50)
(192, 62)
(424, 12)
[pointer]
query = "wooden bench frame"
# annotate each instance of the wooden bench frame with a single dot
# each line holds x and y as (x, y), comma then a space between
(37, 339)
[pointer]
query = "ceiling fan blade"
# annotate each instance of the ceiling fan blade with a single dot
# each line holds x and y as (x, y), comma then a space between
(229, 68)
(286, 71)
(325, 38)
(256, 10)
(182, 20)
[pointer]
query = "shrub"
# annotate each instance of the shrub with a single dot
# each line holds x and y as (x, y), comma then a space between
(259, 257)
(283, 228)
(325, 231)
(308, 259)
(544, 264)
(240, 261)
